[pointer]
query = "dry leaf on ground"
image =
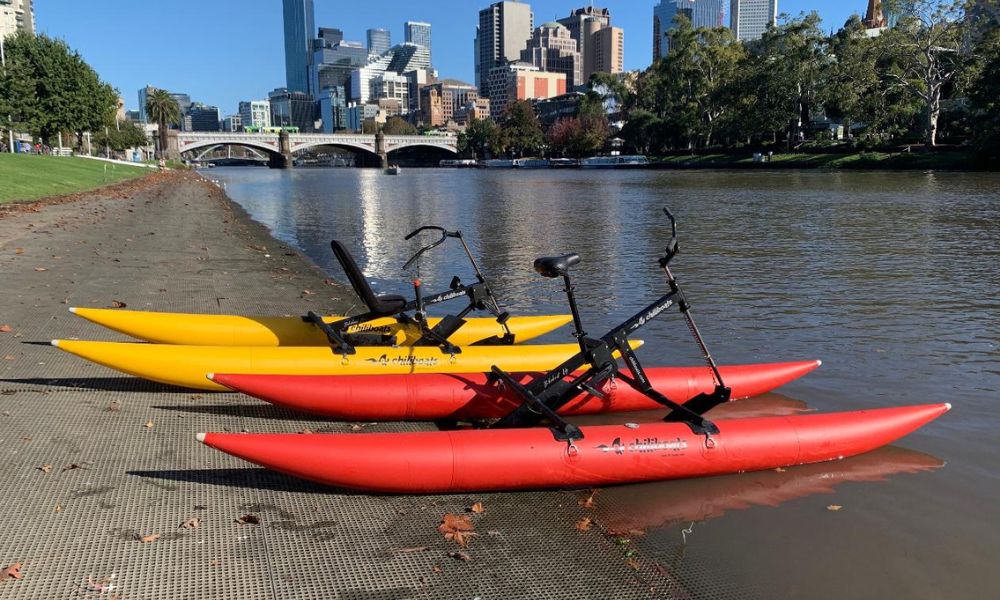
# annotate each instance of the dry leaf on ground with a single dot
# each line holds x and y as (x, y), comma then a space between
(457, 528)
(633, 563)
(73, 466)
(584, 524)
(18, 250)
(149, 424)
(463, 556)
(190, 523)
(45, 468)
(5, 328)
(834, 507)
(149, 539)
(476, 508)
(435, 569)
(8, 357)
(118, 304)
(249, 520)
(588, 502)
(40, 269)
(12, 572)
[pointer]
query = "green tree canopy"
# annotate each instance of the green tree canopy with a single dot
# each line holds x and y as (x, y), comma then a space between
(163, 108)
(398, 126)
(47, 88)
(479, 137)
(522, 133)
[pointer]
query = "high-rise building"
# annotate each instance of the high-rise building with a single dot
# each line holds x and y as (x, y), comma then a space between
(601, 46)
(333, 109)
(440, 101)
(749, 19)
(701, 13)
(503, 31)
(520, 81)
(332, 65)
(418, 32)
(255, 113)
(16, 15)
(608, 55)
(232, 123)
(379, 41)
(144, 94)
(552, 49)
(203, 117)
(328, 38)
(292, 109)
(299, 27)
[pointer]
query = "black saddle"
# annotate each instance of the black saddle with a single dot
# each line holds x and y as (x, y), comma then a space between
(384, 305)
(556, 266)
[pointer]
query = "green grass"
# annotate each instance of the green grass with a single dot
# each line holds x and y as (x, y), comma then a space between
(25, 177)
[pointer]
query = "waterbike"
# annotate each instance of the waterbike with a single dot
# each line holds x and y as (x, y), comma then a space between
(513, 453)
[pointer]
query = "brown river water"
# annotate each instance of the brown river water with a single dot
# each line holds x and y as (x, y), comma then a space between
(892, 279)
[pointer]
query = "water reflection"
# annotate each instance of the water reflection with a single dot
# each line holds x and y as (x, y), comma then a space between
(663, 504)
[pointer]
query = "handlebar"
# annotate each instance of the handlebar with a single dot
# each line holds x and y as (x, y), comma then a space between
(672, 248)
(445, 234)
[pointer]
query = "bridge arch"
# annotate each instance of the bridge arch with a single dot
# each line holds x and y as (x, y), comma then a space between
(208, 144)
(446, 144)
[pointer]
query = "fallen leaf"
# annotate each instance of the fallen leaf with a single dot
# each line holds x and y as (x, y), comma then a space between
(463, 556)
(435, 569)
(149, 424)
(476, 508)
(149, 539)
(249, 520)
(584, 524)
(356, 427)
(780, 470)
(197, 397)
(8, 357)
(18, 250)
(45, 468)
(40, 269)
(12, 572)
(191, 523)
(58, 508)
(457, 528)
(73, 467)
(118, 304)
(588, 502)
(306, 430)
(834, 507)
(633, 563)
(307, 293)
(5, 328)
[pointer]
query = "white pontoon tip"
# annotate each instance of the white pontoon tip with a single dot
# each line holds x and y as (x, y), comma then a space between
(947, 405)
(55, 343)
(819, 363)
(210, 376)
(201, 437)
(72, 309)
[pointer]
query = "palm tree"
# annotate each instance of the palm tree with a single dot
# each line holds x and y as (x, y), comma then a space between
(163, 108)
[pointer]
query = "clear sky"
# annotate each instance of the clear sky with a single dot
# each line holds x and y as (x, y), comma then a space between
(224, 51)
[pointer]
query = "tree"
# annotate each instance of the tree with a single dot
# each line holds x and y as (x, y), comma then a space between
(522, 132)
(926, 46)
(984, 98)
(47, 88)
(398, 126)
(584, 134)
(480, 136)
(163, 108)
(124, 135)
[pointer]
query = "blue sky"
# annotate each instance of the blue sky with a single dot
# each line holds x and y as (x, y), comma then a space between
(224, 51)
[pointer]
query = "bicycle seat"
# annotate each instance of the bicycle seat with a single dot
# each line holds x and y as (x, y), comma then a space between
(556, 266)
(384, 305)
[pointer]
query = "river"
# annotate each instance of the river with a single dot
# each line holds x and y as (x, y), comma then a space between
(891, 278)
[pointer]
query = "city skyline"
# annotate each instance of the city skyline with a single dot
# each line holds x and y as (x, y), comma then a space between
(125, 57)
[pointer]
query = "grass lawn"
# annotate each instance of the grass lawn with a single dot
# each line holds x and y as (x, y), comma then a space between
(25, 177)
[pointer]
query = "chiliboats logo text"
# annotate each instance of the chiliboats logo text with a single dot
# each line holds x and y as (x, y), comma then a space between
(650, 444)
(405, 360)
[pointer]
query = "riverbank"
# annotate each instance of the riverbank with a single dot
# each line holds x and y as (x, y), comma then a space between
(916, 160)
(26, 177)
(95, 461)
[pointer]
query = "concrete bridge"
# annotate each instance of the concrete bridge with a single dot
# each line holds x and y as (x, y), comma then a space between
(279, 147)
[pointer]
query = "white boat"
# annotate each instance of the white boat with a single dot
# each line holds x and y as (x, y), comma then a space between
(614, 162)
(496, 163)
(460, 163)
(531, 163)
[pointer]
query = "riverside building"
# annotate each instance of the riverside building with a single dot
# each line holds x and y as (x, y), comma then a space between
(503, 31)
(749, 19)
(255, 113)
(16, 15)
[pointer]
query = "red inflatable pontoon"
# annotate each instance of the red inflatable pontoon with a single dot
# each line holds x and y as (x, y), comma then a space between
(508, 459)
(425, 397)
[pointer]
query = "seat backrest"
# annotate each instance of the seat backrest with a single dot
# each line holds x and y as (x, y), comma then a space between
(355, 276)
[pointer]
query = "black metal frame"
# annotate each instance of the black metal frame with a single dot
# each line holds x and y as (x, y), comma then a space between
(546, 393)
(480, 297)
